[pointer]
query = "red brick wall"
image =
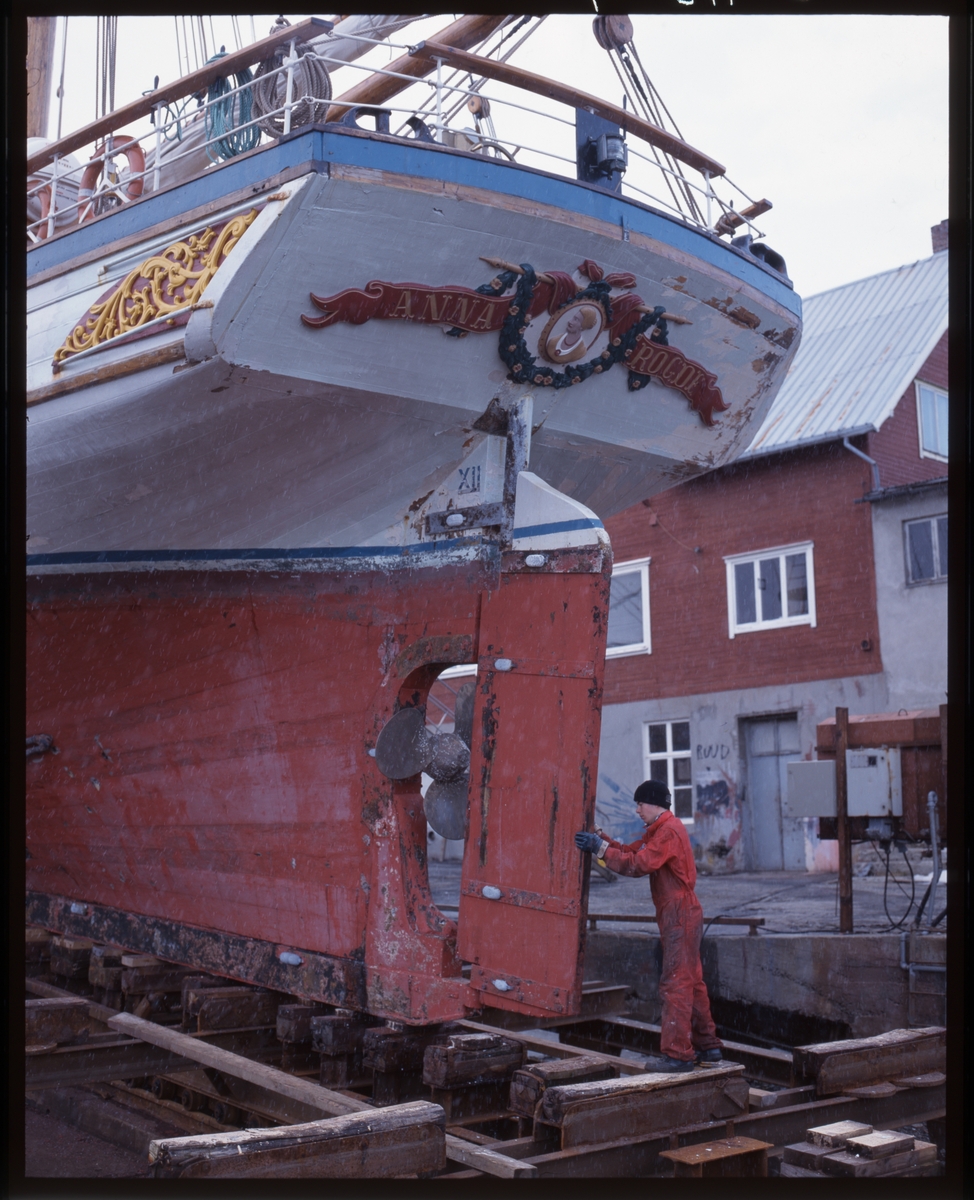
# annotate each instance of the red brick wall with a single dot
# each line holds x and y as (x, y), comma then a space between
(896, 446)
(792, 497)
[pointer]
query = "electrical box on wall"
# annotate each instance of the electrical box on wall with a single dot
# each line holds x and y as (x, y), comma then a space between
(872, 779)
(811, 789)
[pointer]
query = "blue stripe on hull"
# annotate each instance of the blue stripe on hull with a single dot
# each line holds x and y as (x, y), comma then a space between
(316, 148)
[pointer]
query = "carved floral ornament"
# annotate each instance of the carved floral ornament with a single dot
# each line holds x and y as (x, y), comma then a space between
(587, 328)
(170, 282)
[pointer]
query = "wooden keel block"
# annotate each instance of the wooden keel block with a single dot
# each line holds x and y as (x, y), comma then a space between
(339, 1033)
(294, 1022)
(409, 1139)
(638, 1104)
(856, 1062)
(837, 1134)
(468, 1058)
(54, 1022)
(530, 1083)
(236, 1008)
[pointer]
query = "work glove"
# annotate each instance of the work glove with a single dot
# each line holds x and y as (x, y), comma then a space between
(591, 843)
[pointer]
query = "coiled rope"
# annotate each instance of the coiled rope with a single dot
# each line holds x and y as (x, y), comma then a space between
(225, 116)
(310, 94)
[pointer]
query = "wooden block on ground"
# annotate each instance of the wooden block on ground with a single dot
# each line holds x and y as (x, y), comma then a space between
(733, 1156)
(341, 1033)
(55, 1021)
(805, 1154)
(879, 1144)
(638, 1104)
(236, 1008)
(758, 1098)
(162, 978)
(37, 944)
(471, 1057)
(793, 1171)
(530, 1083)
(409, 1139)
(105, 977)
(386, 1050)
(837, 1134)
(854, 1062)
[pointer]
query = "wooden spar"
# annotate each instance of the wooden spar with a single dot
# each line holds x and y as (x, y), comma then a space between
(40, 52)
(529, 82)
(186, 86)
(466, 32)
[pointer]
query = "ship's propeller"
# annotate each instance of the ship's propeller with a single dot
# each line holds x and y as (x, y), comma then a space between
(406, 746)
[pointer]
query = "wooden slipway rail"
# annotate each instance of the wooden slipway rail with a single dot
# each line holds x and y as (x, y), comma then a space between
(241, 1082)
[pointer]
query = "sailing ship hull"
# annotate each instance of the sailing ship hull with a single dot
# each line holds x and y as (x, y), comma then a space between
(255, 540)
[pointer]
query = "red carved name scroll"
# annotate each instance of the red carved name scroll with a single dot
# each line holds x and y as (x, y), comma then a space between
(671, 367)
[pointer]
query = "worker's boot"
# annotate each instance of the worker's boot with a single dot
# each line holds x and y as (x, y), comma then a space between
(663, 1063)
(710, 1056)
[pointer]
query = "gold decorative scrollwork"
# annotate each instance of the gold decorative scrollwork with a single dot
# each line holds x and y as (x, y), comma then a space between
(165, 283)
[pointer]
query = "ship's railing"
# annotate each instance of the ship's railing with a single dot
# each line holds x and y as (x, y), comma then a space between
(427, 108)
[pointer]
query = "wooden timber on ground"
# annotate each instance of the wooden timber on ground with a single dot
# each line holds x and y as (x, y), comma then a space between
(408, 1139)
(529, 1085)
(53, 1022)
(855, 1062)
(853, 1150)
(598, 1111)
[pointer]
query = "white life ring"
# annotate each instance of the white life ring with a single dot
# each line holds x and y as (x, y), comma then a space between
(127, 192)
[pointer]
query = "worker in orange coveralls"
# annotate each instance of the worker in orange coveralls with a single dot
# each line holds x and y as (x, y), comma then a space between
(664, 854)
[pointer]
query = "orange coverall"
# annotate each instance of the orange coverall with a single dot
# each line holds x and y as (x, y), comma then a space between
(665, 855)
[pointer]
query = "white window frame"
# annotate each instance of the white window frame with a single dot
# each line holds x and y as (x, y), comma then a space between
(784, 621)
(932, 387)
(670, 755)
(932, 520)
(632, 567)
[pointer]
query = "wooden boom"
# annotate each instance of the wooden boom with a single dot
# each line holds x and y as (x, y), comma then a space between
(529, 82)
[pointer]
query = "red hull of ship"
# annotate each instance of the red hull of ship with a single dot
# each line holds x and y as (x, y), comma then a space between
(212, 798)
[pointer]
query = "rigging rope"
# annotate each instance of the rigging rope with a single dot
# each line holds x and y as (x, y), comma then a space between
(225, 116)
(310, 93)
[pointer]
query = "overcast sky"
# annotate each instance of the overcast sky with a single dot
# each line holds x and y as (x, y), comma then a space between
(841, 121)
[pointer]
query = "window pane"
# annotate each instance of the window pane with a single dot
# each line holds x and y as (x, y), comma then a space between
(683, 802)
(681, 771)
(928, 421)
(920, 549)
(769, 582)
(626, 609)
(942, 544)
(657, 739)
(657, 771)
(942, 423)
(744, 587)
(681, 735)
(796, 581)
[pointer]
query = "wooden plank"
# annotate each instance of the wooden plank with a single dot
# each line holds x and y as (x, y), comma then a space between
(837, 1133)
(572, 96)
(879, 1144)
(325, 1101)
(408, 1139)
(807, 1155)
(561, 1049)
(594, 1112)
(55, 1020)
(854, 1062)
(488, 1161)
(189, 84)
(40, 987)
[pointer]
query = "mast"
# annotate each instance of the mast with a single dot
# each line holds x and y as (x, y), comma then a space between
(40, 57)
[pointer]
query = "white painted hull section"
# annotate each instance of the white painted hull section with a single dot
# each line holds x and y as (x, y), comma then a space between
(273, 434)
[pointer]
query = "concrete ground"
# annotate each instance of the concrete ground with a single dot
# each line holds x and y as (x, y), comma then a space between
(789, 901)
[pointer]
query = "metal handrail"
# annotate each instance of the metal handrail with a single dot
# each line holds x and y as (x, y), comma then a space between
(468, 63)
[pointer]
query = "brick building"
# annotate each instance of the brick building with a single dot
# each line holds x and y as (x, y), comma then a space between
(750, 602)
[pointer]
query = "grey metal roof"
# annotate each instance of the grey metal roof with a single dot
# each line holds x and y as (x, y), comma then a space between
(862, 344)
